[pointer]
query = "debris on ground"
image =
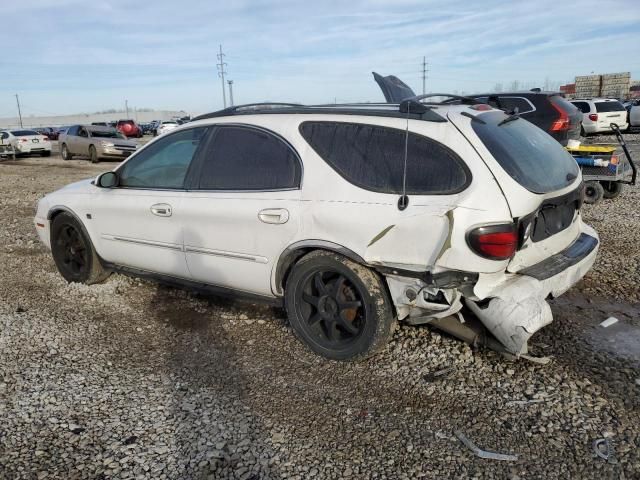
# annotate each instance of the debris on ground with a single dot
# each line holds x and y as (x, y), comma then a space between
(439, 374)
(484, 453)
(608, 322)
(603, 449)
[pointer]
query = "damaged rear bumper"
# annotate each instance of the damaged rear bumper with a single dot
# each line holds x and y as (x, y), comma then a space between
(512, 306)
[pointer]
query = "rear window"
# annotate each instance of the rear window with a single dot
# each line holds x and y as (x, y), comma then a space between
(612, 106)
(529, 155)
(372, 157)
(24, 133)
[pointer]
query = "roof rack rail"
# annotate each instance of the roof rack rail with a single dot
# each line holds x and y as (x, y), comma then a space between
(451, 99)
(368, 109)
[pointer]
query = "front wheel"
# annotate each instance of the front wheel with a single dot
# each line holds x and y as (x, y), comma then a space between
(338, 308)
(93, 155)
(73, 252)
(593, 193)
(64, 152)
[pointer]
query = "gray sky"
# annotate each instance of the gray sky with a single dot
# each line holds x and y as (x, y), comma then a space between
(68, 56)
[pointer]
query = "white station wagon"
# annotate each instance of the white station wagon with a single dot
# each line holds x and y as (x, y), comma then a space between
(352, 217)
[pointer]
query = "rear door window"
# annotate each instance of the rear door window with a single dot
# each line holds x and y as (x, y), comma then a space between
(372, 157)
(603, 107)
(529, 155)
(245, 158)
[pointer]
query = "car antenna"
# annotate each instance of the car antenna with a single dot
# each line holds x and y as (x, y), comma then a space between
(403, 201)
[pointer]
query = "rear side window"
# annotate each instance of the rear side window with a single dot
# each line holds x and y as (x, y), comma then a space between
(242, 158)
(372, 158)
(584, 107)
(528, 154)
(510, 104)
(609, 107)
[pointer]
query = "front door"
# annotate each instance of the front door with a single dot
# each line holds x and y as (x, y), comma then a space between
(140, 222)
(242, 209)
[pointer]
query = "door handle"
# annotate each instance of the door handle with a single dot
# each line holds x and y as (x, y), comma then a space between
(161, 209)
(274, 215)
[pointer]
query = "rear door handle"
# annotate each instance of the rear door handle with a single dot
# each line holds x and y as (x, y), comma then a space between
(274, 215)
(161, 209)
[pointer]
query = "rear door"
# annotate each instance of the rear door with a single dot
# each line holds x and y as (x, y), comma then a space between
(243, 208)
(609, 112)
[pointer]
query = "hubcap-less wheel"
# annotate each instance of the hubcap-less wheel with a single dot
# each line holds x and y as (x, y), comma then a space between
(331, 306)
(72, 252)
(65, 152)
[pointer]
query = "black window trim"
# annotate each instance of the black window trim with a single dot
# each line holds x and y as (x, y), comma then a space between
(191, 180)
(457, 158)
(196, 154)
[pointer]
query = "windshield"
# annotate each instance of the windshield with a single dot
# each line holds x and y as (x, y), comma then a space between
(609, 107)
(529, 155)
(111, 134)
(24, 133)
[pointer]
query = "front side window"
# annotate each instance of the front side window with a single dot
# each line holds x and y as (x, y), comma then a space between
(164, 163)
(372, 158)
(243, 158)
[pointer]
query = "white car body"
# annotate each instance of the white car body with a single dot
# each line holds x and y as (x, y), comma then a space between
(239, 239)
(166, 126)
(26, 142)
(599, 113)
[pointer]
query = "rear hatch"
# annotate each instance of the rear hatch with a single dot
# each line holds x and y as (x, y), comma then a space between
(538, 177)
(610, 111)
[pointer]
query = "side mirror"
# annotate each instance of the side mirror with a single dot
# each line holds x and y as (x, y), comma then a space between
(107, 180)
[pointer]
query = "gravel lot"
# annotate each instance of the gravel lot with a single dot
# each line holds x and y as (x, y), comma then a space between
(129, 379)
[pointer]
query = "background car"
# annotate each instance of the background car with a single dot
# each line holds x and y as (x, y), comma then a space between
(599, 113)
(548, 110)
(27, 142)
(95, 142)
(633, 112)
(129, 128)
(49, 132)
(166, 126)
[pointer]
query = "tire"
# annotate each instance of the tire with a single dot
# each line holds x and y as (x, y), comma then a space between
(93, 155)
(317, 293)
(612, 189)
(593, 193)
(45, 154)
(582, 132)
(73, 251)
(64, 152)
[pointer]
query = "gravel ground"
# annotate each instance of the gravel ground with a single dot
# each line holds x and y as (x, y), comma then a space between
(129, 379)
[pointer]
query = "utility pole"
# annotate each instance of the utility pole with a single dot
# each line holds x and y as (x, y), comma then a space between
(221, 73)
(425, 70)
(230, 82)
(19, 112)
(126, 107)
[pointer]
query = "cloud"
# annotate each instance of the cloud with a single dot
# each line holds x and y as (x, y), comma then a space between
(75, 54)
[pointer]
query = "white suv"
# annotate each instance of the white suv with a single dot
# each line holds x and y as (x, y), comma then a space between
(599, 113)
(352, 217)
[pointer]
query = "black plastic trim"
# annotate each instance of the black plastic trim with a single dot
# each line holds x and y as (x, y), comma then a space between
(573, 254)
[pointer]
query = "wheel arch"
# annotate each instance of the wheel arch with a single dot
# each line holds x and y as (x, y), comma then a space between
(57, 210)
(296, 250)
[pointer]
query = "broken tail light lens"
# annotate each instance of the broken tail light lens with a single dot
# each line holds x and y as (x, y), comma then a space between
(495, 242)
(562, 122)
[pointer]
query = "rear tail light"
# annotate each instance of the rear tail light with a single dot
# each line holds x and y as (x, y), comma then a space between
(593, 117)
(495, 242)
(24, 140)
(562, 122)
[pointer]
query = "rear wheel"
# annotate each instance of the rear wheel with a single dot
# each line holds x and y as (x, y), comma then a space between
(611, 189)
(338, 308)
(593, 193)
(64, 152)
(73, 252)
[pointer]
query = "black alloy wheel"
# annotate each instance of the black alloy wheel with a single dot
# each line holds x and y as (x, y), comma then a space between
(72, 251)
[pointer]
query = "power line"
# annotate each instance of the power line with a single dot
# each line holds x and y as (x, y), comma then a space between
(221, 73)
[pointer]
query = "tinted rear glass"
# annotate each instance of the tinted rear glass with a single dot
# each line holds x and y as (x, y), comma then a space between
(24, 133)
(372, 157)
(609, 107)
(529, 155)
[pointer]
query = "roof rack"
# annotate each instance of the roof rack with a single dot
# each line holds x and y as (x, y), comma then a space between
(368, 109)
(451, 99)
